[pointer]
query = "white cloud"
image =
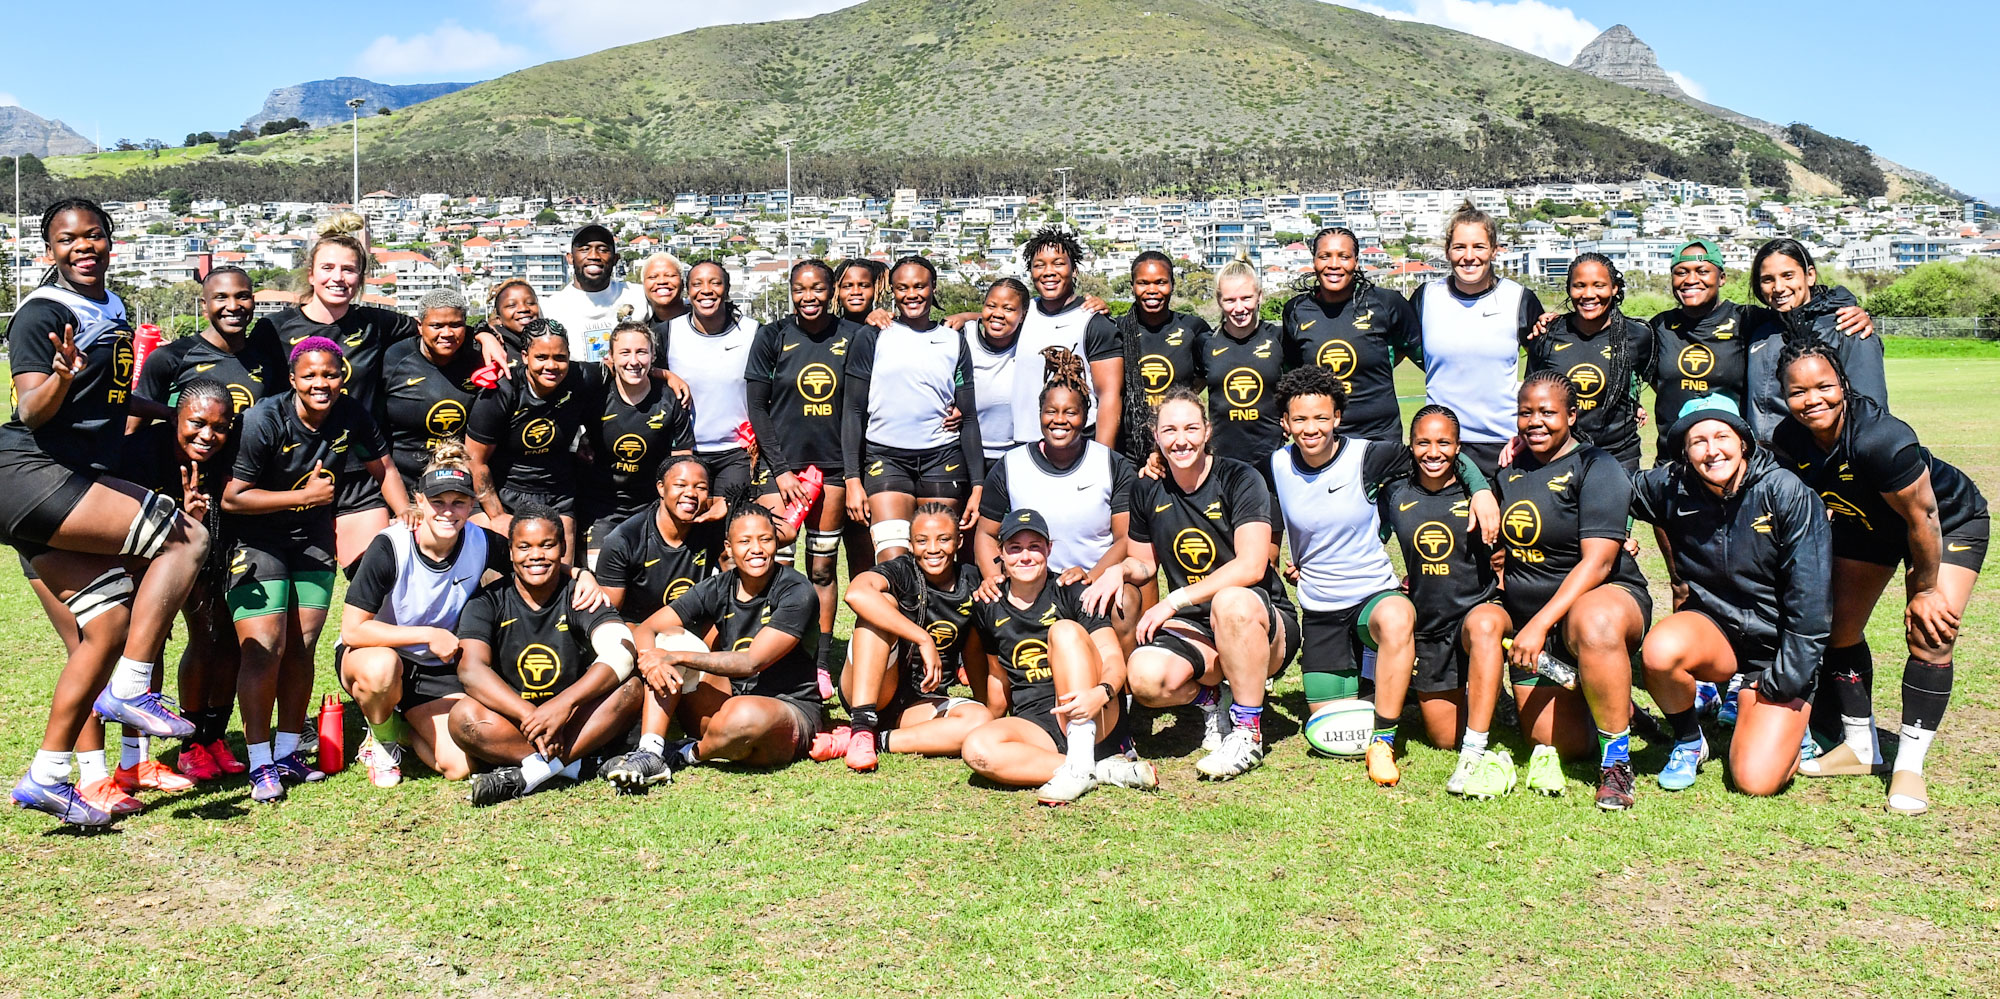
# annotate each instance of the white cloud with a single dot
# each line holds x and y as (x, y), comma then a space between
(570, 28)
(1554, 33)
(445, 50)
(1688, 87)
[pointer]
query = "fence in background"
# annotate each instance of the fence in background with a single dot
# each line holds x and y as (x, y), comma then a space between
(1921, 326)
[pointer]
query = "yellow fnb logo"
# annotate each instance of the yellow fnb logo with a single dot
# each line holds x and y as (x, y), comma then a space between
(678, 587)
(1243, 387)
(1697, 360)
(1588, 379)
(1338, 357)
(1434, 541)
(944, 634)
(537, 434)
(1032, 659)
(1194, 550)
(239, 399)
(538, 666)
(629, 448)
(445, 418)
(816, 382)
(1522, 523)
(121, 363)
(1156, 372)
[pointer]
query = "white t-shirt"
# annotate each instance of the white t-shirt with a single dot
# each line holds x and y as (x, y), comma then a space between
(589, 316)
(713, 365)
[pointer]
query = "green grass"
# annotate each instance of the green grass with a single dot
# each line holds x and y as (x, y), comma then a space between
(1300, 879)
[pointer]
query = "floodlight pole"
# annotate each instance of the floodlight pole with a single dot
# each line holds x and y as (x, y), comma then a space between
(1063, 205)
(788, 203)
(354, 105)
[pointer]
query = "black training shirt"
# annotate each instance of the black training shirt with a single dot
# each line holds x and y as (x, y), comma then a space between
(539, 652)
(788, 604)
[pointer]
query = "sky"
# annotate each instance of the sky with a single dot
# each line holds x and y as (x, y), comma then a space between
(1898, 83)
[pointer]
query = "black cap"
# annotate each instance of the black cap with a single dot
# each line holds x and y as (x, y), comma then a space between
(1024, 520)
(593, 233)
(439, 481)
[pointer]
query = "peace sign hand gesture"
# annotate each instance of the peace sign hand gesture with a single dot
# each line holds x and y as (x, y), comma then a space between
(194, 502)
(68, 361)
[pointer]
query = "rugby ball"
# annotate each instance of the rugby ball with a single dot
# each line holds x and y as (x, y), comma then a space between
(1341, 729)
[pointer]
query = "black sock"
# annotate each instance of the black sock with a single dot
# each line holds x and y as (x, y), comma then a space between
(825, 648)
(207, 724)
(1926, 692)
(1686, 727)
(1853, 679)
(863, 720)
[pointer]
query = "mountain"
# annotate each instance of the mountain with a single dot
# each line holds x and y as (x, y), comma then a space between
(1619, 56)
(324, 102)
(24, 132)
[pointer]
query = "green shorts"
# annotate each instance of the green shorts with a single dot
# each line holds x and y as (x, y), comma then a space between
(264, 582)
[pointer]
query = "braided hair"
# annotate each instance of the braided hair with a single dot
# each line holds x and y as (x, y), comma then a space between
(1425, 413)
(1061, 368)
(1618, 373)
(1053, 236)
(1550, 376)
(1361, 282)
(1795, 351)
(70, 204)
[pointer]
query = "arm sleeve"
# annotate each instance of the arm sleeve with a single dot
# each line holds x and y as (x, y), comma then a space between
(795, 612)
(1294, 350)
(1121, 484)
(1381, 461)
(1805, 617)
(970, 448)
(368, 435)
(1101, 341)
(1650, 494)
(854, 413)
(487, 423)
(1531, 313)
(375, 578)
(1645, 357)
(757, 402)
(1404, 335)
(993, 500)
(1603, 501)
(680, 426)
(402, 328)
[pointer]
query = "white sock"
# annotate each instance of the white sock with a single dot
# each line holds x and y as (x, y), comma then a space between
(284, 744)
(1473, 743)
(690, 753)
(51, 766)
(573, 771)
(1860, 737)
(653, 743)
(1911, 748)
(90, 767)
(131, 750)
(130, 678)
(260, 753)
(536, 768)
(1082, 736)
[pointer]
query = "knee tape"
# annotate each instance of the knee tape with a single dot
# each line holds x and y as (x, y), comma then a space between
(149, 530)
(889, 534)
(100, 595)
(613, 643)
(822, 544)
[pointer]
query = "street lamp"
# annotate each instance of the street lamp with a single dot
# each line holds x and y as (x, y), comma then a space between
(354, 106)
(787, 143)
(1063, 205)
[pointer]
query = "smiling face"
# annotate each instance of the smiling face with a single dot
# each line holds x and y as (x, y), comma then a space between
(934, 540)
(228, 303)
(632, 357)
(81, 247)
(443, 331)
(547, 362)
(912, 288)
(1697, 283)
(1814, 395)
(662, 279)
(517, 307)
(856, 290)
(1471, 252)
(1336, 260)
(1239, 298)
(753, 546)
(316, 377)
(708, 290)
(1312, 421)
(1062, 416)
(1002, 313)
(335, 275)
(591, 263)
(1543, 416)
(1052, 273)
(201, 426)
(1785, 284)
(1715, 452)
(1181, 430)
(445, 514)
(683, 490)
(1152, 287)
(1591, 290)
(535, 546)
(1434, 444)
(812, 294)
(1025, 557)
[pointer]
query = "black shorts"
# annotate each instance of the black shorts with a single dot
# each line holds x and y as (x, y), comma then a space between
(1280, 620)
(599, 525)
(1750, 663)
(265, 563)
(512, 499)
(423, 684)
(1555, 645)
(1333, 640)
(1485, 455)
(933, 473)
(1441, 664)
(355, 492)
(730, 471)
(1964, 546)
(811, 721)
(1109, 743)
(40, 495)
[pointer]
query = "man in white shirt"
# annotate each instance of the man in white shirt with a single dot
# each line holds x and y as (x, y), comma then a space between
(588, 306)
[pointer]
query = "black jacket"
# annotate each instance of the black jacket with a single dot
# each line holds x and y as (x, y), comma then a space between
(1757, 562)
(1768, 332)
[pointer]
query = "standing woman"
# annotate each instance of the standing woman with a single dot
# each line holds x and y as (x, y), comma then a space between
(1571, 591)
(281, 496)
(515, 305)
(519, 435)
(1893, 502)
(1801, 310)
(221, 352)
(857, 290)
(641, 425)
(665, 282)
(1753, 544)
(1208, 523)
(1356, 331)
(429, 392)
(70, 357)
(902, 383)
(1162, 349)
(1472, 324)
(991, 340)
(1241, 364)
(1060, 317)
(795, 378)
(1603, 353)
(710, 348)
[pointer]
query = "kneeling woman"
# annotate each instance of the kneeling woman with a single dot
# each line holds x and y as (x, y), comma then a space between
(755, 699)
(1893, 503)
(1572, 592)
(1208, 522)
(519, 435)
(546, 683)
(1752, 544)
(912, 633)
(1058, 668)
(399, 627)
(281, 498)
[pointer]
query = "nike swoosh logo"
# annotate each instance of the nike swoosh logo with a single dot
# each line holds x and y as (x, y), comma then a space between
(731, 346)
(951, 468)
(653, 562)
(1308, 324)
(1957, 548)
(607, 417)
(509, 621)
(1406, 506)
(1217, 352)
(1163, 509)
(1564, 346)
(204, 367)
(456, 582)
(288, 449)
(1002, 623)
(789, 347)
(414, 381)
(1082, 487)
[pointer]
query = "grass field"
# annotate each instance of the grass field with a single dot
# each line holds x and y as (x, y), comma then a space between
(1301, 879)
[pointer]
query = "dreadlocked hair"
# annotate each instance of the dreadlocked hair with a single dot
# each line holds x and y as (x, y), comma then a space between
(1061, 368)
(743, 503)
(1053, 235)
(876, 272)
(1618, 369)
(65, 205)
(1310, 282)
(1310, 380)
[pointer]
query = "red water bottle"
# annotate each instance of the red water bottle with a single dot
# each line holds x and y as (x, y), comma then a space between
(332, 735)
(814, 481)
(144, 341)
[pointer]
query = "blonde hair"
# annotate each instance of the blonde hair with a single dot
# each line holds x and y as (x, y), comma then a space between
(449, 453)
(344, 241)
(1239, 269)
(345, 224)
(662, 255)
(1468, 215)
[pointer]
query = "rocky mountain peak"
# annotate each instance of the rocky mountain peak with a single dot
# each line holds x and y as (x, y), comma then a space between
(1619, 56)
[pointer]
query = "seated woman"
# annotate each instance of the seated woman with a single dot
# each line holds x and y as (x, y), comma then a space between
(1058, 669)
(1752, 544)
(755, 699)
(546, 683)
(1571, 591)
(912, 634)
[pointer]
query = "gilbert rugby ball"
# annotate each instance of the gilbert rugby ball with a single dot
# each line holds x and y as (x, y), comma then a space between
(1342, 728)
